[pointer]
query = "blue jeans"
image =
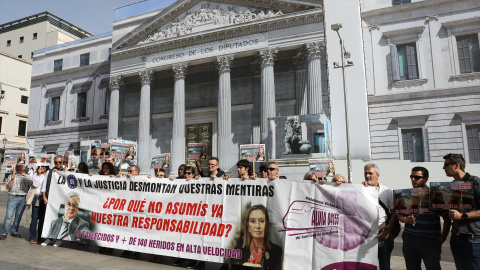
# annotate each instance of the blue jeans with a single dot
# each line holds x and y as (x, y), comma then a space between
(417, 248)
(14, 205)
(384, 253)
(466, 251)
(6, 177)
(33, 223)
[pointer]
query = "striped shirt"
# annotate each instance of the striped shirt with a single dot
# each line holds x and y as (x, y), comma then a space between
(21, 185)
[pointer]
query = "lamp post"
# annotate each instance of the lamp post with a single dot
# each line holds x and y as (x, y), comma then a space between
(4, 141)
(344, 55)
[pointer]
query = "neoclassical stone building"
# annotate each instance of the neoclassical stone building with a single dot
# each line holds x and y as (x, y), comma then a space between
(215, 72)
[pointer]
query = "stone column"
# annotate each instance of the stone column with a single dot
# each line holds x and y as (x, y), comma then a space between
(268, 90)
(143, 153)
(115, 83)
(178, 131)
(257, 105)
(315, 51)
(224, 110)
(301, 86)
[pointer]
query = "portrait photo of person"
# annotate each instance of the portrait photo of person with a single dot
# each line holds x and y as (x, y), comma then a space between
(203, 154)
(257, 249)
(21, 159)
(261, 154)
(330, 169)
(130, 154)
(166, 162)
(66, 227)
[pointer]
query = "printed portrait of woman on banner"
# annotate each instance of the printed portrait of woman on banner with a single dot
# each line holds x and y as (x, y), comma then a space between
(257, 249)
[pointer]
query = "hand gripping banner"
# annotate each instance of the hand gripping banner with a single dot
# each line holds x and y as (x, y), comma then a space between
(279, 224)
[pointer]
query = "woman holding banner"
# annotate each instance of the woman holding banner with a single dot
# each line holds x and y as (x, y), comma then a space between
(39, 177)
(257, 250)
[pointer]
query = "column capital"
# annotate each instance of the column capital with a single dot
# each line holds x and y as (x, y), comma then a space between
(268, 56)
(223, 63)
(315, 49)
(431, 18)
(115, 82)
(146, 76)
(179, 70)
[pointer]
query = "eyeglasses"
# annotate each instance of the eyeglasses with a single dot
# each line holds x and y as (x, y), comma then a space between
(416, 177)
(188, 173)
(58, 162)
(271, 169)
(212, 165)
(446, 164)
(130, 171)
(71, 205)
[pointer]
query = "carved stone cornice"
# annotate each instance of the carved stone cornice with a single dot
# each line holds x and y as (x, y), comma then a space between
(268, 56)
(146, 76)
(176, 10)
(115, 82)
(314, 50)
(179, 70)
(223, 63)
(431, 18)
(219, 34)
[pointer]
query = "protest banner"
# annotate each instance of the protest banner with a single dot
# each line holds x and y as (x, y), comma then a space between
(307, 226)
(161, 161)
(15, 156)
(195, 151)
(39, 160)
(105, 150)
(322, 167)
(253, 152)
(411, 201)
(452, 195)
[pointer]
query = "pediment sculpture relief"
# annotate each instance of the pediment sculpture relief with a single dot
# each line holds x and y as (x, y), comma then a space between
(215, 17)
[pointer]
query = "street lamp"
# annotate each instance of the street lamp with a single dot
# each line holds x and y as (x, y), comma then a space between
(344, 55)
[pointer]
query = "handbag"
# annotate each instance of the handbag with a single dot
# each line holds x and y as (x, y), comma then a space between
(396, 226)
(30, 195)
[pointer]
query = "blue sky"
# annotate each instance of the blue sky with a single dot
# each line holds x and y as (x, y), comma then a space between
(95, 16)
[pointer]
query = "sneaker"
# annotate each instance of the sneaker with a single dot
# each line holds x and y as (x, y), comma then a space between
(48, 242)
(3, 237)
(16, 235)
(57, 243)
(178, 261)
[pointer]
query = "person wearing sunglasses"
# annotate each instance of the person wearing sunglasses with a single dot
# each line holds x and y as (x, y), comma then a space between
(214, 170)
(133, 171)
(339, 179)
(465, 239)
(272, 171)
(189, 173)
(58, 166)
(423, 236)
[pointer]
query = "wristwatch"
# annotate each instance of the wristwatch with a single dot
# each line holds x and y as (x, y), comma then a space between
(464, 216)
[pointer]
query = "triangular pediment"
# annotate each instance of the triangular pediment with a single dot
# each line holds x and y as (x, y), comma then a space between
(188, 17)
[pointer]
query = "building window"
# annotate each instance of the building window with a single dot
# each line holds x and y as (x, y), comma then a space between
(57, 65)
(24, 100)
(404, 62)
(110, 54)
(84, 59)
(107, 100)
(35, 35)
(22, 128)
(21, 39)
(473, 141)
(20, 56)
(319, 143)
(31, 55)
(1, 119)
(54, 109)
(82, 104)
(413, 145)
(400, 2)
(9, 43)
(468, 53)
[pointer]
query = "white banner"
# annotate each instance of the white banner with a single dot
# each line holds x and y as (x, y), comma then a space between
(294, 225)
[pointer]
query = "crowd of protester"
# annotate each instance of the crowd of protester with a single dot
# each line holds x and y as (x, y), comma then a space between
(423, 234)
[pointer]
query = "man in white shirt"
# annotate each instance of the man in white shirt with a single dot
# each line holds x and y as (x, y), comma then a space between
(385, 195)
